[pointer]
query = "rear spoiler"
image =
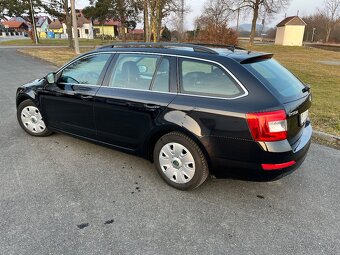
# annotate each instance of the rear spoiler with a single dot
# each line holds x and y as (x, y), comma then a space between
(257, 58)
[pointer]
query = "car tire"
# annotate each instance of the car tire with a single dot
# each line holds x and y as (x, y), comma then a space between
(30, 119)
(180, 161)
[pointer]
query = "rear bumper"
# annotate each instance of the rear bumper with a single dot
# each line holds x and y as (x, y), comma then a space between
(256, 154)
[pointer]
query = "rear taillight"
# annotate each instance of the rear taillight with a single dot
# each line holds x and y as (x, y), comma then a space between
(268, 126)
(277, 166)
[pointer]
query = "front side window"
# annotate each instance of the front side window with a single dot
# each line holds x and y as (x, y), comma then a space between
(202, 78)
(134, 71)
(85, 71)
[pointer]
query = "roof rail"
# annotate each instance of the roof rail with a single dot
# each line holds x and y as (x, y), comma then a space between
(229, 47)
(195, 47)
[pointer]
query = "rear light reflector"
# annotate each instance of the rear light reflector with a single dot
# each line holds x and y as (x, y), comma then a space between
(268, 126)
(277, 166)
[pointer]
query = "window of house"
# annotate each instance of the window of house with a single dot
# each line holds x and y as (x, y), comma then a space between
(86, 31)
(203, 78)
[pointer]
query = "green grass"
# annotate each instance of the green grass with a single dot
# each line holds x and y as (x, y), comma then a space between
(55, 56)
(303, 62)
(55, 42)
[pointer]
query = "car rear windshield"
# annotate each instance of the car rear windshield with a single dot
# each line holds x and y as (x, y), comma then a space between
(277, 79)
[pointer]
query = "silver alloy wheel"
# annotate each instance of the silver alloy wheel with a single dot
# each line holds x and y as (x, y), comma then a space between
(32, 119)
(177, 163)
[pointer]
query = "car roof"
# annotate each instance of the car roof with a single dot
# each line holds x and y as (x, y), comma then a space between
(189, 50)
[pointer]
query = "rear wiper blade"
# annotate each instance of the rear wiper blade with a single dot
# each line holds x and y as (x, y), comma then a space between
(306, 88)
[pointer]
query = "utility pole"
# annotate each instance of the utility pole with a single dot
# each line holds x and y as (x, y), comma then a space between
(238, 19)
(313, 34)
(75, 27)
(33, 23)
(182, 20)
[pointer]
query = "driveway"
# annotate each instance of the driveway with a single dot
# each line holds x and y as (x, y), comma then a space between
(61, 195)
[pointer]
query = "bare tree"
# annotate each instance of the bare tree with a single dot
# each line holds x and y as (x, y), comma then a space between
(316, 27)
(217, 11)
(332, 12)
(212, 25)
(154, 13)
(257, 6)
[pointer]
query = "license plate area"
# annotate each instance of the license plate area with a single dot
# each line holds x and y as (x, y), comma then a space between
(303, 118)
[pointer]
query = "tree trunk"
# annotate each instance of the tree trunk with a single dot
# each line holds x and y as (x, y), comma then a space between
(156, 16)
(147, 34)
(122, 30)
(34, 33)
(158, 20)
(153, 20)
(68, 22)
(69, 32)
(159, 28)
(154, 30)
(253, 23)
(328, 34)
(75, 27)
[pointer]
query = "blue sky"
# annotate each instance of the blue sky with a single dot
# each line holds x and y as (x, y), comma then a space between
(304, 7)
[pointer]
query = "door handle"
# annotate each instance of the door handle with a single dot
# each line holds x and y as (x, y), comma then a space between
(152, 106)
(86, 97)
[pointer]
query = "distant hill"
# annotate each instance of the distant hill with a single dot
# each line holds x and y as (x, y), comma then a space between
(247, 27)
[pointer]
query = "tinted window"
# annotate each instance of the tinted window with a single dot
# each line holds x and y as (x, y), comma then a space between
(277, 78)
(162, 77)
(134, 71)
(86, 70)
(203, 78)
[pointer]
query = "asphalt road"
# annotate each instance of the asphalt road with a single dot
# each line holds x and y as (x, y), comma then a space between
(60, 195)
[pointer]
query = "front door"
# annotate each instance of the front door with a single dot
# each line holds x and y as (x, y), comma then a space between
(68, 104)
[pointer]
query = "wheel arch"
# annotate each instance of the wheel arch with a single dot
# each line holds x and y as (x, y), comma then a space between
(156, 135)
(26, 94)
(22, 98)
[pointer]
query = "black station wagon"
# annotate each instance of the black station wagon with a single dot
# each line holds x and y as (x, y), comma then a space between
(191, 109)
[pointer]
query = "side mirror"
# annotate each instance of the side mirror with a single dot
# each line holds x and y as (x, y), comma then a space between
(51, 78)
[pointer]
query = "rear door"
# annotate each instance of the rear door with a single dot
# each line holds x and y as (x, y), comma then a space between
(136, 92)
(289, 90)
(68, 104)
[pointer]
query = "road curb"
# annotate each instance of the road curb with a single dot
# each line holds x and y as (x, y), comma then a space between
(327, 137)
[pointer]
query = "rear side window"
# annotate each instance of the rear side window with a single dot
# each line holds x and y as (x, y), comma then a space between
(277, 78)
(203, 78)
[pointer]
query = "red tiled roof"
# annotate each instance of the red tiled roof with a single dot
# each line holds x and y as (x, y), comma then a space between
(13, 24)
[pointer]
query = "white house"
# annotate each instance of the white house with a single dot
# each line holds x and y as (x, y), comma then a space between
(84, 26)
(290, 31)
